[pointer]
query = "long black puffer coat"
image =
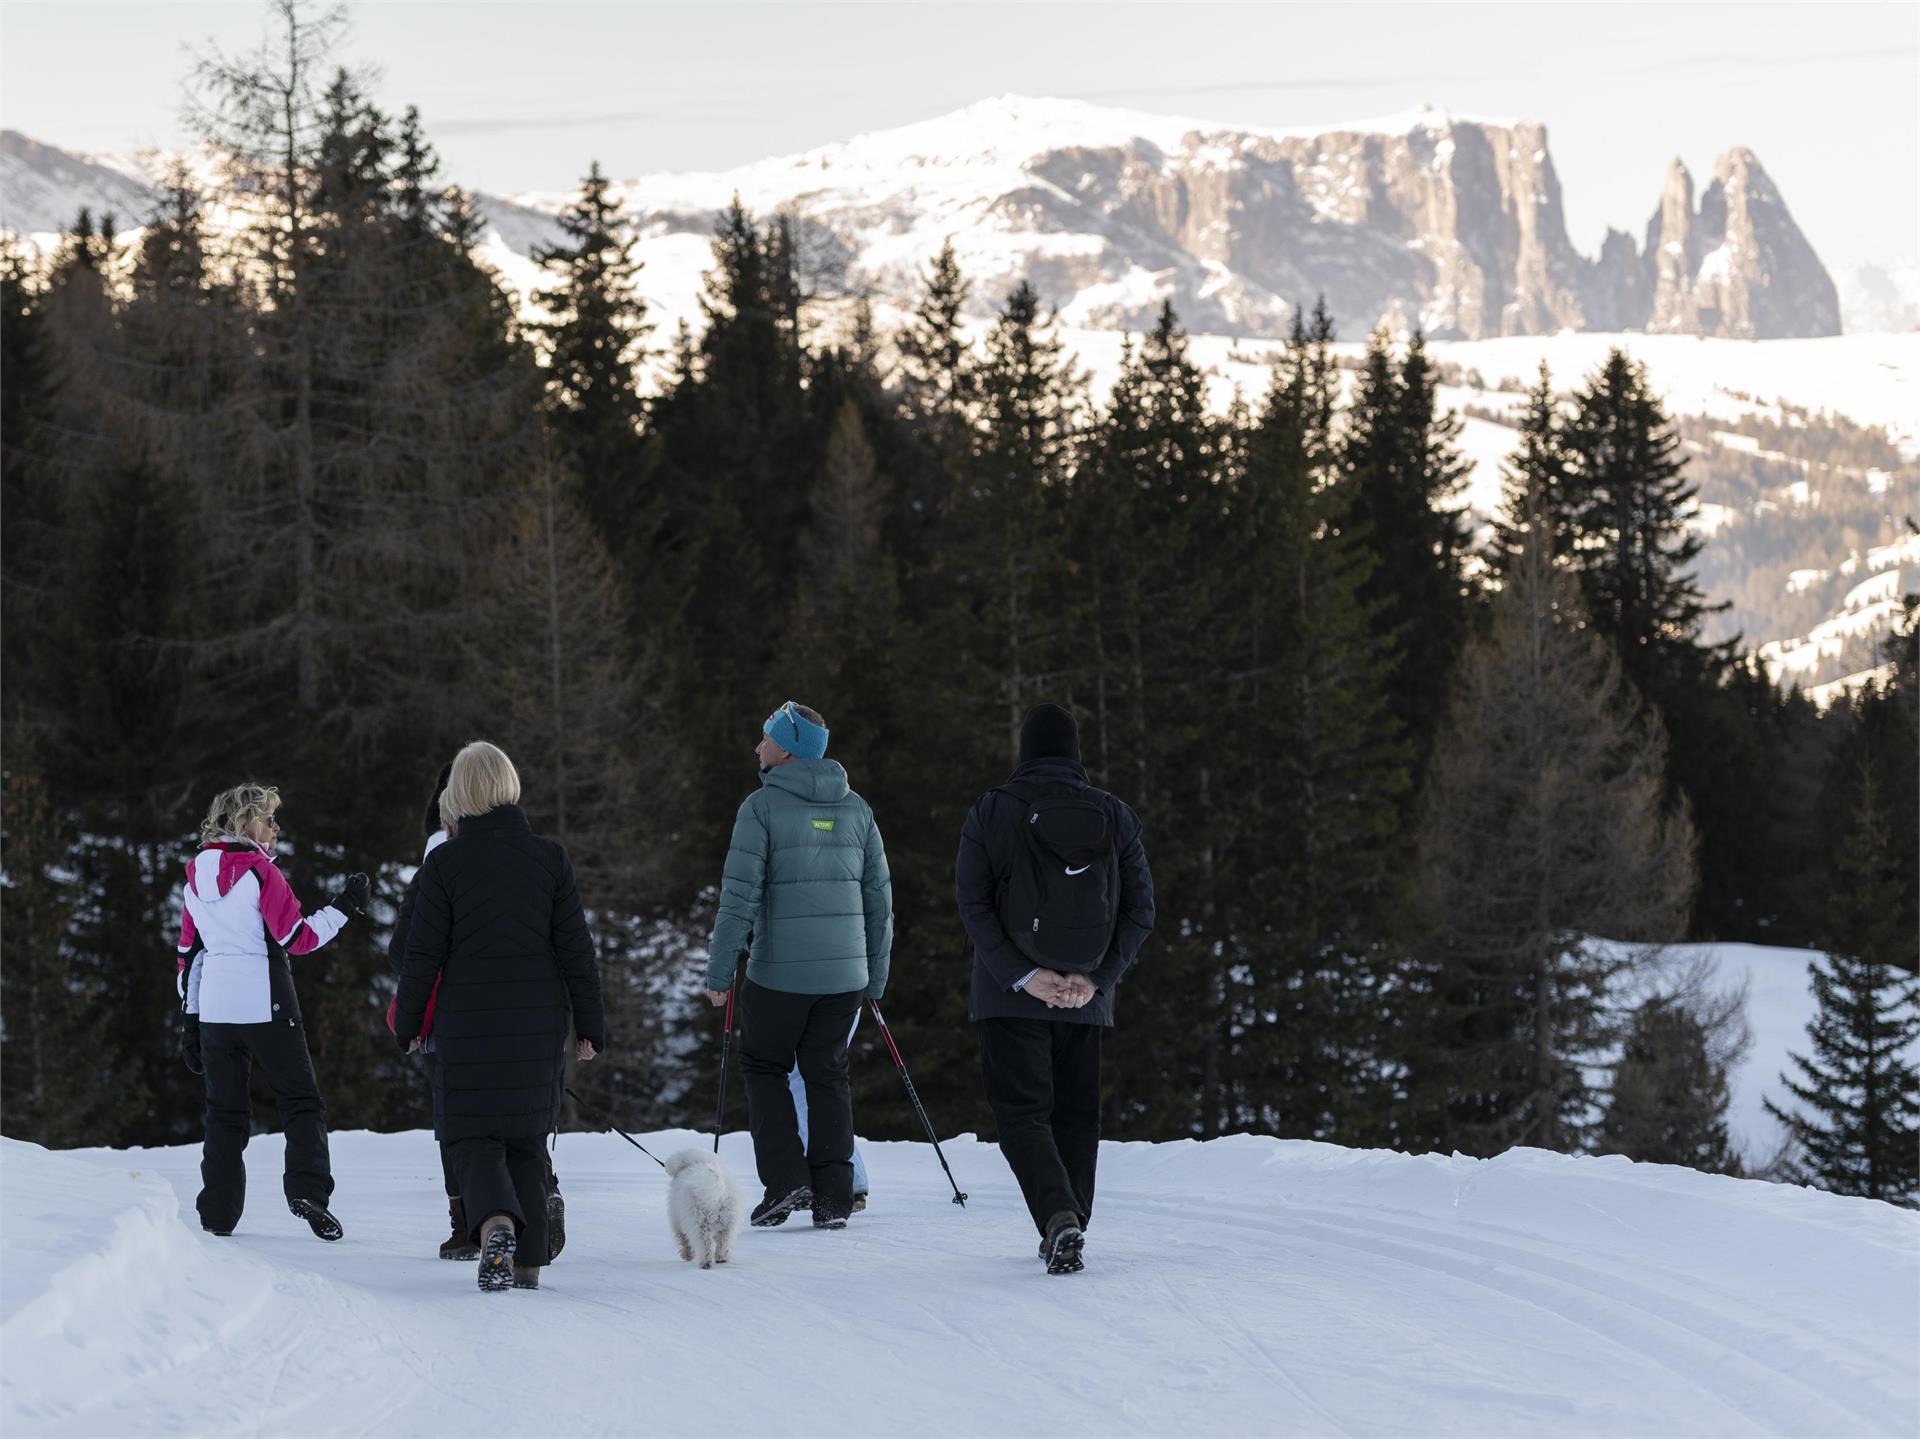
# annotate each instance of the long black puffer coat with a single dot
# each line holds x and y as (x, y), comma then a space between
(498, 910)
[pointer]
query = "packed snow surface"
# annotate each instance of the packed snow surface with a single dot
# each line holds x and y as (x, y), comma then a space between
(1236, 1287)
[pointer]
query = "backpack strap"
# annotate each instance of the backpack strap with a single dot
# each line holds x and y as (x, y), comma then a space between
(1028, 793)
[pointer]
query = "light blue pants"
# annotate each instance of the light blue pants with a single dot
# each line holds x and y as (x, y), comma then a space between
(799, 1088)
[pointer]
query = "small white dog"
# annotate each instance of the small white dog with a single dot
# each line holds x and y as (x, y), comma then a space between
(703, 1206)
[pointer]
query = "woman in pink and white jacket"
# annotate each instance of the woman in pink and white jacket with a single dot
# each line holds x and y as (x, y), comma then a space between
(239, 922)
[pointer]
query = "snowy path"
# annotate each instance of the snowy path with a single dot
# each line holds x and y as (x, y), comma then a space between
(1239, 1287)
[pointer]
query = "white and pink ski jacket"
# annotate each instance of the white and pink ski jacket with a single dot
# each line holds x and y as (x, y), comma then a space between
(234, 900)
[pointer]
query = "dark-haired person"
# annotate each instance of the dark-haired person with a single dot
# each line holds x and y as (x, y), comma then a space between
(239, 922)
(1056, 897)
(498, 927)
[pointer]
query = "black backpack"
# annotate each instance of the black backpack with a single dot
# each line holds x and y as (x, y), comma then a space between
(1061, 897)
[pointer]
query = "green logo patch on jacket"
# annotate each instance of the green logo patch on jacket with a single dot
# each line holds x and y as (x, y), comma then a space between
(823, 824)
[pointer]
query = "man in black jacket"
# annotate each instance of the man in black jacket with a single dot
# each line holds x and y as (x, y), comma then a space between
(1040, 1013)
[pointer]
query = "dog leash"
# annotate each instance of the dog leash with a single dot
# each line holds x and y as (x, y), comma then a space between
(617, 1129)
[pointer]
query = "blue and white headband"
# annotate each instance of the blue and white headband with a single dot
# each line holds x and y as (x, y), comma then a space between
(795, 733)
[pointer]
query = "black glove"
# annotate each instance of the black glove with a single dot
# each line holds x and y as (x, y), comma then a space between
(352, 899)
(190, 1045)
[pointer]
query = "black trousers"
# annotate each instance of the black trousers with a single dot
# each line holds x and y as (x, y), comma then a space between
(452, 1180)
(778, 1030)
(229, 1052)
(504, 1176)
(1043, 1084)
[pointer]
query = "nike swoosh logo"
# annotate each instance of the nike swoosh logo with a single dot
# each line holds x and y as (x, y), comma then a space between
(1082, 870)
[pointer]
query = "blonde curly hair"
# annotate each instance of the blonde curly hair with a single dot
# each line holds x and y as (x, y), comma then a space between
(236, 811)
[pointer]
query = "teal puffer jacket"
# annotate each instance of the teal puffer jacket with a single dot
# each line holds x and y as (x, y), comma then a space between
(806, 882)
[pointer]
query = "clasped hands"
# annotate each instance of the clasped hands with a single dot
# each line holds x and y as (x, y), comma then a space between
(1060, 991)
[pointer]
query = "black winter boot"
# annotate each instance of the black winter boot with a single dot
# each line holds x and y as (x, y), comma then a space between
(319, 1220)
(1061, 1248)
(775, 1208)
(459, 1244)
(497, 1240)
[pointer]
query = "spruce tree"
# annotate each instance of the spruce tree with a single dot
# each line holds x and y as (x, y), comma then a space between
(1857, 1117)
(1623, 510)
(1669, 1100)
(1148, 519)
(1005, 545)
(1400, 460)
(594, 332)
(1547, 778)
(934, 373)
(1309, 833)
(733, 451)
(1537, 463)
(1623, 506)
(26, 490)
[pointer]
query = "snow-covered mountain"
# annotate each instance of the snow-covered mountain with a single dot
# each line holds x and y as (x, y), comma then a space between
(43, 188)
(1447, 221)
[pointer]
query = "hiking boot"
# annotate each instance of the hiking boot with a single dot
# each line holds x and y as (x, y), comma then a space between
(556, 1220)
(528, 1278)
(775, 1208)
(1061, 1248)
(226, 1233)
(322, 1223)
(859, 1203)
(459, 1244)
(828, 1215)
(496, 1255)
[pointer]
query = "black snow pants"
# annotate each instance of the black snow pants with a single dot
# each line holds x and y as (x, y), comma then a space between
(778, 1030)
(1043, 1084)
(229, 1052)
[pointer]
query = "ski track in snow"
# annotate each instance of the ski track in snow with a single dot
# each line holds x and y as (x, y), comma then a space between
(1237, 1287)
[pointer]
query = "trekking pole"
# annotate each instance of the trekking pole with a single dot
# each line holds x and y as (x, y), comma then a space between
(900, 1064)
(726, 1051)
(617, 1129)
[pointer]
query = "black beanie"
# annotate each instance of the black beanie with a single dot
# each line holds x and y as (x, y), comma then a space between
(1048, 732)
(433, 805)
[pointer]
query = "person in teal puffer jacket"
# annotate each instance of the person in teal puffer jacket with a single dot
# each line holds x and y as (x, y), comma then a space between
(806, 892)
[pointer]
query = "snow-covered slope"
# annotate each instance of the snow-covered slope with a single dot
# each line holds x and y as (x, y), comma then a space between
(1237, 1287)
(1779, 1007)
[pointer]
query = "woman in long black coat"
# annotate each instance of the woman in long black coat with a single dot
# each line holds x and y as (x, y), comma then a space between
(498, 917)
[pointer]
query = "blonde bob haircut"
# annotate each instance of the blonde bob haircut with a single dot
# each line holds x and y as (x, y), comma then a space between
(483, 778)
(236, 811)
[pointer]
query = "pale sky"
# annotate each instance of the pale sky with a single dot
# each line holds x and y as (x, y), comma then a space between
(521, 96)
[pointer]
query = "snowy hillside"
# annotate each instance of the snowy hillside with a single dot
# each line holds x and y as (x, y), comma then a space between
(1779, 1007)
(1237, 1287)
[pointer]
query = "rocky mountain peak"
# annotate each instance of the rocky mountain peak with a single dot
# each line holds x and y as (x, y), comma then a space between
(1451, 222)
(1736, 265)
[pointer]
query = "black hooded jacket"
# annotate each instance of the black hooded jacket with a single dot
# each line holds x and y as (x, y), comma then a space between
(988, 843)
(498, 911)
